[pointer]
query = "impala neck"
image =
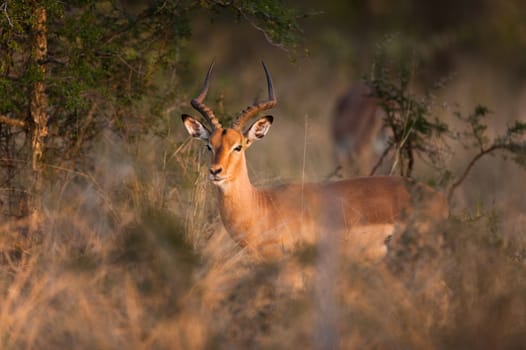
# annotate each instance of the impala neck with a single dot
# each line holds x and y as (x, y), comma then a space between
(238, 189)
(238, 202)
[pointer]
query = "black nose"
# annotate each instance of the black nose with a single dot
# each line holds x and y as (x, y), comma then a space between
(215, 170)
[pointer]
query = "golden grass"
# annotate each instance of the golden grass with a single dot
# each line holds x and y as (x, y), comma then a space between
(133, 255)
(111, 268)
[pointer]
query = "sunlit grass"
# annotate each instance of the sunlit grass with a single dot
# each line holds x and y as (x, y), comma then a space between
(122, 263)
(132, 254)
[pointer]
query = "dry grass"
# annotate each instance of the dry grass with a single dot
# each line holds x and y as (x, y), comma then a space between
(113, 268)
(132, 255)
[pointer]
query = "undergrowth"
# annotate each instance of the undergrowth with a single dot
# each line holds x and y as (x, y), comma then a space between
(119, 264)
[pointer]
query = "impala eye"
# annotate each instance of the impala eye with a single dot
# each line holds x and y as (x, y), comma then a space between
(209, 148)
(238, 148)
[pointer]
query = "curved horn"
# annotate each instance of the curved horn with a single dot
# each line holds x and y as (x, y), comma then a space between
(198, 104)
(251, 111)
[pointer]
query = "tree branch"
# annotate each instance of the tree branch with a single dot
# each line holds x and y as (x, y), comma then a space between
(461, 179)
(380, 160)
(4, 7)
(12, 121)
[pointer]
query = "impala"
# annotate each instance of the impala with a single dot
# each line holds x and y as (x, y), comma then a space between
(270, 222)
(356, 129)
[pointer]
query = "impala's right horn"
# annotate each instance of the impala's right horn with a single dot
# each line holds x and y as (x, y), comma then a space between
(198, 104)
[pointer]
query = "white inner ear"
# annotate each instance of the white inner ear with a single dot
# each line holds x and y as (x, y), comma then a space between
(196, 129)
(258, 130)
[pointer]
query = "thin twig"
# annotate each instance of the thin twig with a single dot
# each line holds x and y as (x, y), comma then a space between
(73, 152)
(399, 149)
(305, 139)
(4, 7)
(380, 160)
(411, 159)
(482, 153)
(262, 30)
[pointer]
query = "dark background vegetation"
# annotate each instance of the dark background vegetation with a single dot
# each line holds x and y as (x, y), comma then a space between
(110, 238)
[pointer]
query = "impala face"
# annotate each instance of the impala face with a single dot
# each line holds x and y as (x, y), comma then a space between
(226, 149)
(227, 146)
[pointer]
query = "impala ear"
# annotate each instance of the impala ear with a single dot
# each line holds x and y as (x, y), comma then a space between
(258, 129)
(195, 128)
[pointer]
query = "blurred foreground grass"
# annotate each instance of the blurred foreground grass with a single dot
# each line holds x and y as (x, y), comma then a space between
(133, 256)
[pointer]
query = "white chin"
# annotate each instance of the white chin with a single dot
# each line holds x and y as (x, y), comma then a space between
(218, 182)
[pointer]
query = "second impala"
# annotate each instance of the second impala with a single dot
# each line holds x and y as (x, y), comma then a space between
(270, 222)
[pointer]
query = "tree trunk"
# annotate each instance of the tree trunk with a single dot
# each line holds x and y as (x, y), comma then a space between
(38, 107)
